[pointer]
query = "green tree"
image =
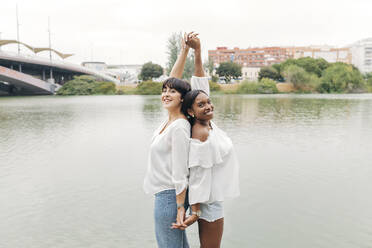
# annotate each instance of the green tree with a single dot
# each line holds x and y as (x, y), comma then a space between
(368, 78)
(296, 75)
(341, 77)
(269, 72)
(310, 65)
(209, 65)
(87, 85)
(173, 49)
(229, 70)
(150, 70)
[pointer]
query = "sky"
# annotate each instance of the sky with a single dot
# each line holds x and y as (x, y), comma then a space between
(136, 31)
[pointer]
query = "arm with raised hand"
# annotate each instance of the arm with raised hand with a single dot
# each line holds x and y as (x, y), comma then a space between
(194, 43)
(199, 81)
(178, 67)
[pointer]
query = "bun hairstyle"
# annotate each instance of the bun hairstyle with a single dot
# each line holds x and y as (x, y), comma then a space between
(180, 85)
(188, 101)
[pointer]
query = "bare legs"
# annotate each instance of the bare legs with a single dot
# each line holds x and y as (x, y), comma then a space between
(210, 233)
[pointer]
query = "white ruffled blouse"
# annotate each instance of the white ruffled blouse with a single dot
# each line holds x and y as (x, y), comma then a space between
(213, 165)
(214, 168)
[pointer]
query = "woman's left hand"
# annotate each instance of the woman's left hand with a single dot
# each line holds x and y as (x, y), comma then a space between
(188, 222)
(181, 214)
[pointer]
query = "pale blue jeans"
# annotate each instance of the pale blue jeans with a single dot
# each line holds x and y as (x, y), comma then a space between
(165, 213)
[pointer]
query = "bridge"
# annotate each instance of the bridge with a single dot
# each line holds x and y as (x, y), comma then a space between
(22, 74)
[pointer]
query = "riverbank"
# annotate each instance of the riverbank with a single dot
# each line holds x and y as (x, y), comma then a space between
(86, 85)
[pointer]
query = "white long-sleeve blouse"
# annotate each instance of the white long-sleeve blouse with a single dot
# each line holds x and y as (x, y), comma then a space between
(168, 158)
(169, 152)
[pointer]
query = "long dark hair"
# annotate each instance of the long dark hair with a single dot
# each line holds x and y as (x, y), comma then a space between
(188, 101)
(180, 85)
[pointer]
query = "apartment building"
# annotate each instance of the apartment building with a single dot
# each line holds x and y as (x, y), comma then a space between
(250, 57)
(362, 55)
(330, 54)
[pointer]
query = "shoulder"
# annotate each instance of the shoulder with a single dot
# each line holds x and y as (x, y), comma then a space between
(181, 126)
(200, 132)
(182, 123)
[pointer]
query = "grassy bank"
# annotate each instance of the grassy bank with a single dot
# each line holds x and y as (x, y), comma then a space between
(86, 85)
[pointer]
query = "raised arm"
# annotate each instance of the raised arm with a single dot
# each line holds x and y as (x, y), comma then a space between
(194, 42)
(178, 67)
(199, 81)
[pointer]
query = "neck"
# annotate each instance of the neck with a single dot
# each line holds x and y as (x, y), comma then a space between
(204, 123)
(174, 114)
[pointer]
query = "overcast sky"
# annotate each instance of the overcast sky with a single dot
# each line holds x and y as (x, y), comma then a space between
(136, 31)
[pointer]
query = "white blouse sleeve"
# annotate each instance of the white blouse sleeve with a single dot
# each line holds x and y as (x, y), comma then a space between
(180, 155)
(200, 83)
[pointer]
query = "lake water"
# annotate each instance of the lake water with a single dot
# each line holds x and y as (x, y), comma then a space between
(71, 171)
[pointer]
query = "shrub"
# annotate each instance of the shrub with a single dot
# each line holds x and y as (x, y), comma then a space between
(104, 88)
(247, 87)
(86, 85)
(267, 86)
(75, 87)
(215, 78)
(149, 88)
(341, 77)
(213, 86)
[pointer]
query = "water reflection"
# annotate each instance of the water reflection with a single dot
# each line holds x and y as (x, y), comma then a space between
(72, 170)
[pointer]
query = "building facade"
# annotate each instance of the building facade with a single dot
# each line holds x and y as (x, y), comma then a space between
(265, 56)
(330, 54)
(250, 73)
(362, 55)
(250, 57)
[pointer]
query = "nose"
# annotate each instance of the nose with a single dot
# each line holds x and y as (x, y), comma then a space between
(166, 92)
(209, 106)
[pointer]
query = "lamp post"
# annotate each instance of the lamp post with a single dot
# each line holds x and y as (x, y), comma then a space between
(19, 48)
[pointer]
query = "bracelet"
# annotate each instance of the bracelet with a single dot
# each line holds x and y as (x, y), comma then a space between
(197, 213)
(180, 205)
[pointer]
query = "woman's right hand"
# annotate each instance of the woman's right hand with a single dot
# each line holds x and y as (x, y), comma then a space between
(193, 40)
(181, 214)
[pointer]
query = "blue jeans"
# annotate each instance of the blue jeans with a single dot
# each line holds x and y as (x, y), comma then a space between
(165, 214)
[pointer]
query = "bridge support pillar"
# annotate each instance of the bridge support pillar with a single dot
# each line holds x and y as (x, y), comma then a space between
(20, 67)
(43, 74)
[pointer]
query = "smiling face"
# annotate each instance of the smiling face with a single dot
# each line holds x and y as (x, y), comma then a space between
(171, 98)
(202, 108)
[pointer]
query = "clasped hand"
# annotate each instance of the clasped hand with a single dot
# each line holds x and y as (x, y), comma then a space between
(183, 222)
(190, 40)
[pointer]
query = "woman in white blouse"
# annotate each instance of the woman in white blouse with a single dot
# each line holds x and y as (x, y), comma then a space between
(214, 169)
(167, 174)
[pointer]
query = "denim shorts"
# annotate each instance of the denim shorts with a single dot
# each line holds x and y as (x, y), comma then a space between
(165, 213)
(211, 211)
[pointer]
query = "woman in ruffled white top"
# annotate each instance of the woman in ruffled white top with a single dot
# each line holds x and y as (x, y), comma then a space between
(213, 166)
